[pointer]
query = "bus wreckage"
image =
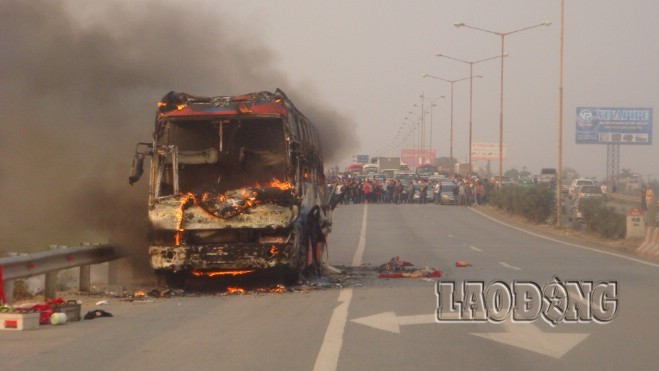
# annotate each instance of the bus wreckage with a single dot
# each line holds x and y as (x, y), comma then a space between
(236, 184)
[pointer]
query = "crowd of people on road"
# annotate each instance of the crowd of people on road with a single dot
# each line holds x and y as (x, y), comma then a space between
(465, 191)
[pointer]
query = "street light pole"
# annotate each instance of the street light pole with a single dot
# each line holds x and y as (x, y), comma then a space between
(452, 82)
(471, 89)
(419, 136)
(559, 168)
(503, 37)
(432, 104)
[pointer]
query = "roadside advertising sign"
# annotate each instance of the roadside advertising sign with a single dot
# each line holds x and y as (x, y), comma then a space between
(486, 151)
(597, 125)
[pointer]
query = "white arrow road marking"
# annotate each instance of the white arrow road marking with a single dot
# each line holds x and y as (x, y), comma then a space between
(504, 264)
(529, 337)
(521, 335)
(389, 321)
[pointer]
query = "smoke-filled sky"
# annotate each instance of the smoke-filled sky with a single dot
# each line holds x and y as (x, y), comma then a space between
(80, 80)
(367, 58)
(80, 83)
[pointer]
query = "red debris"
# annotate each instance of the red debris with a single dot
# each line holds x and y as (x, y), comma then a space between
(462, 264)
(398, 268)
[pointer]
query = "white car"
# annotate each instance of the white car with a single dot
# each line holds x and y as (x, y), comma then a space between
(576, 184)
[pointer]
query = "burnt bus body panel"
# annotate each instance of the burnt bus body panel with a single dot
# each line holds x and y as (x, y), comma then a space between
(235, 183)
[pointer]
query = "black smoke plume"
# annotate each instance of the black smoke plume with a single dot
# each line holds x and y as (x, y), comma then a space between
(79, 86)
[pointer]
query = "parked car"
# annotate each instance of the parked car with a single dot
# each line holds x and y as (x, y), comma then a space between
(429, 194)
(438, 178)
(405, 176)
(379, 176)
(588, 191)
(504, 180)
(446, 195)
(577, 183)
(525, 182)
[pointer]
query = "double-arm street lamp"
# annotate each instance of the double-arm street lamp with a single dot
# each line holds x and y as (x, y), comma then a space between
(413, 126)
(432, 104)
(503, 53)
(471, 89)
(408, 130)
(452, 82)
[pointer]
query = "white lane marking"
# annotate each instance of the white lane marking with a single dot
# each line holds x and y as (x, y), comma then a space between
(357, 259)
(504, 264)
(568, 243)
(328, 356)
(475, 248)
(450, 235)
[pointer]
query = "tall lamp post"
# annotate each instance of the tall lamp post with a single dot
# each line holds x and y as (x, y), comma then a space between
(418, 135)
(452, 82)
(471, 96)
(407, 129)
(413, 136)
(432, 105)
(503, 52)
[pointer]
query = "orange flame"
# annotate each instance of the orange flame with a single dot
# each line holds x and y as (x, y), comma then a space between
(185, 201)
(235, 290)
(274, 250)
(244, 109)
(249, 200)
(278, 288)
(281, 185)
(197, 273)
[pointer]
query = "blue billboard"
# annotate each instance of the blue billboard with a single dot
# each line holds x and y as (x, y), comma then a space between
(597, 125)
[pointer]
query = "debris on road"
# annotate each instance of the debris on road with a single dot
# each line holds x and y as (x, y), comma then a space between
(398, 268)
(462, 264)
(97, 313)
(396, 264)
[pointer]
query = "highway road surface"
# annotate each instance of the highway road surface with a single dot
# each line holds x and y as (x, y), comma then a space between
(377, 323)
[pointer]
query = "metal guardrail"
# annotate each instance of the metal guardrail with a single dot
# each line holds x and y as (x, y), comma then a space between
(629, 199)
(625, 198)
(52, 261)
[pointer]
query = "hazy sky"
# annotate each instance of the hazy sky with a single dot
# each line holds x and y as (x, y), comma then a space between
(366, 58)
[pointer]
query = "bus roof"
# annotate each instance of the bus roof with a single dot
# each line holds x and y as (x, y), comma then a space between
(175, 104)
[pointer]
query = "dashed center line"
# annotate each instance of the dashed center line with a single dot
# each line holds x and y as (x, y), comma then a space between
(504, 264)
(475, 248)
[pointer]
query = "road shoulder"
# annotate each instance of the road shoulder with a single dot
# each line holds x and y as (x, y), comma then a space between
(566, 234)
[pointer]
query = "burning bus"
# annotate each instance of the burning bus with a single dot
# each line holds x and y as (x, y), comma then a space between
(236, 184)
